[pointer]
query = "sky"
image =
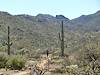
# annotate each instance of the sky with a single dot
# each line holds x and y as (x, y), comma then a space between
(69, 8)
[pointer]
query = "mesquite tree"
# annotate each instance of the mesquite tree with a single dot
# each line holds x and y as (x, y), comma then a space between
(61, 37)
(8, 41)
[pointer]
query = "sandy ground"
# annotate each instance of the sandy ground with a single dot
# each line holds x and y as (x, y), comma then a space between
(22, 73)
(14, 72)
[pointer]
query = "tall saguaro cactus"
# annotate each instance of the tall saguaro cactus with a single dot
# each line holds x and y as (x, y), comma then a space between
(61, 37)
(8, 41)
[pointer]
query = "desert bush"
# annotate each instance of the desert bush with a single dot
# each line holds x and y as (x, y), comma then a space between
(16, 62)
(59, 70)
(3, 60)
(36, 56)
(89, 62)
(2, 48)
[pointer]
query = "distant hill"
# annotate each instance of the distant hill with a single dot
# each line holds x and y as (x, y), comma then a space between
(88, 22)
(41, 31)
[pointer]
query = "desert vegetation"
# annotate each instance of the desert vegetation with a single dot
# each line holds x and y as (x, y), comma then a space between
(47, 45)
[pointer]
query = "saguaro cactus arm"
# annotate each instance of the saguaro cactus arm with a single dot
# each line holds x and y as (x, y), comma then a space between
(59, 36)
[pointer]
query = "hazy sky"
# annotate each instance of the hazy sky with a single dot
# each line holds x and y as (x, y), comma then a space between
(68, 8)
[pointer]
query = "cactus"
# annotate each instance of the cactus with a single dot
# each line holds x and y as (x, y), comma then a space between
(47, 53)
(8, 41)
(61, 37)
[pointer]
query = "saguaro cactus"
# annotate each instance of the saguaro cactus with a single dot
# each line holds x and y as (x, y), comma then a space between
(61, 37)
(47, 52)
(8, 41)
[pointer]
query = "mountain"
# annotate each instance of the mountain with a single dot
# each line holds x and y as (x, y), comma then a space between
(41, 31)
(61, 17)
(88, 22)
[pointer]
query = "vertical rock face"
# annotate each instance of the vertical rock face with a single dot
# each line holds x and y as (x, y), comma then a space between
(61, 17)
(4, 13)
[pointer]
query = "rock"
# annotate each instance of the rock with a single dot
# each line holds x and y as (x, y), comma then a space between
(1, 73)
(16, 70)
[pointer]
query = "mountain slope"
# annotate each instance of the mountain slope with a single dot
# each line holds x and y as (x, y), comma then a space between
(41, 31)
(88, 22)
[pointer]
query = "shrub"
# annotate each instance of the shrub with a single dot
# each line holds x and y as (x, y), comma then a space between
(2, 48)
(59, 70)
(16, 62)
(3, 60)
(89, 62)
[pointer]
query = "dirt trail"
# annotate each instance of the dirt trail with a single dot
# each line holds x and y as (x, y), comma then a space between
(12, 72)
(22, 73)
